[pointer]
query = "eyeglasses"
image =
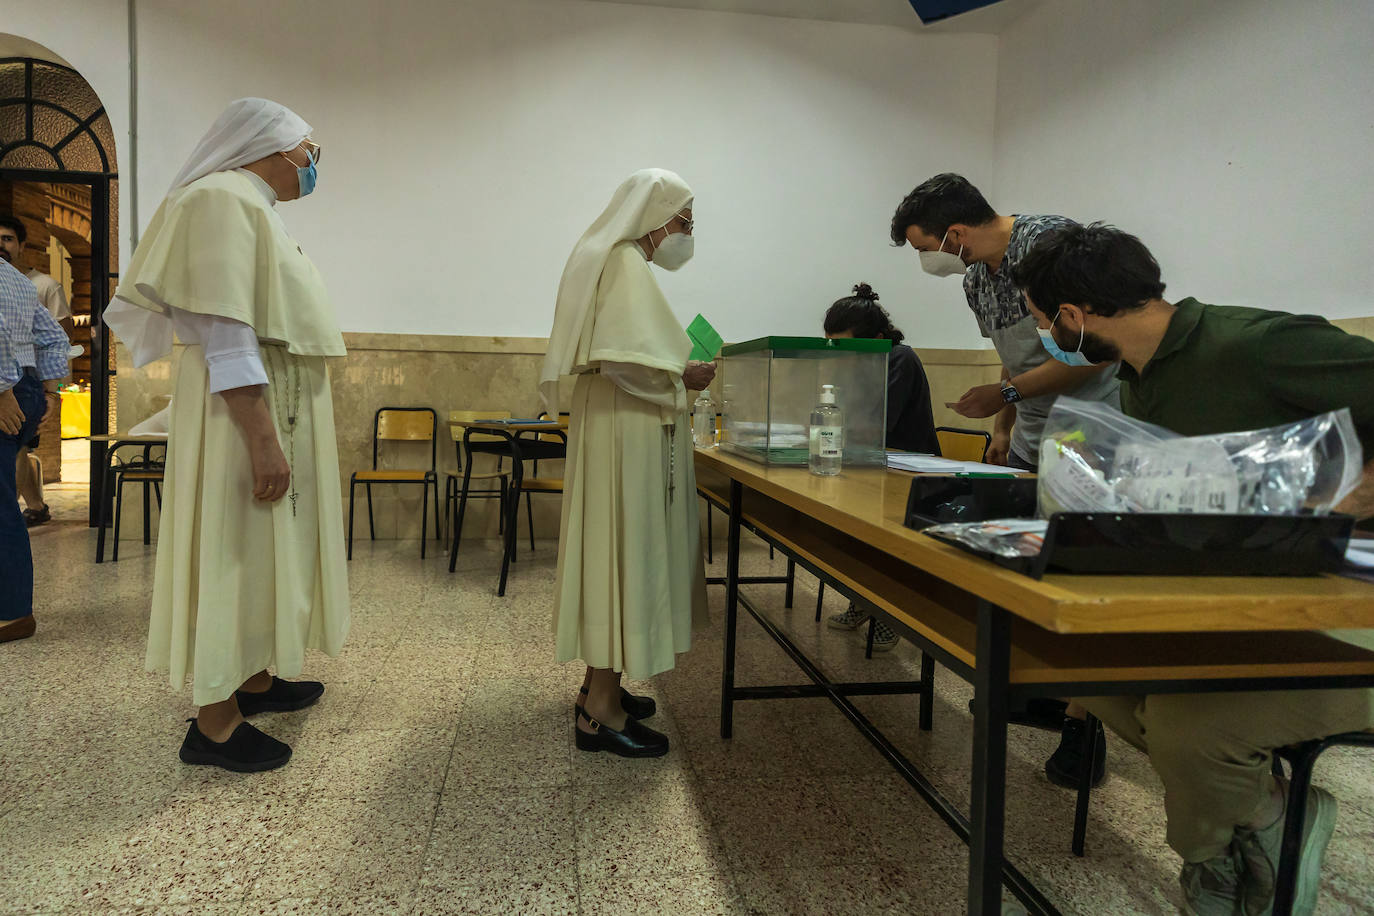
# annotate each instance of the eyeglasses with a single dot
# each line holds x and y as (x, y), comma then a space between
(313, 148)
(687, 223)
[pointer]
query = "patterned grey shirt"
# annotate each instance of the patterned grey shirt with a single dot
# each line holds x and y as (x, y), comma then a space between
(1002, 315)
(994, 298)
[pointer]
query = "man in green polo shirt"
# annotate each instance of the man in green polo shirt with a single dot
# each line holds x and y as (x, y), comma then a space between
(1199, 369)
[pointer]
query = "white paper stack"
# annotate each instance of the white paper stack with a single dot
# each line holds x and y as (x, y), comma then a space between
(929, 464)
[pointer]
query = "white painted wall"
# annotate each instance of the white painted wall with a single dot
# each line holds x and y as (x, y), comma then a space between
(468, 144)
(1233, 136)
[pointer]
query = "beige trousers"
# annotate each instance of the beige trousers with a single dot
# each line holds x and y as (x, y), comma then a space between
(1212, 750)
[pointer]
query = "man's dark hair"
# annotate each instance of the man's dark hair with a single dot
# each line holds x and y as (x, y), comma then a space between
(9, 222)
(1096, 266)
(862, 316)
(938, 203)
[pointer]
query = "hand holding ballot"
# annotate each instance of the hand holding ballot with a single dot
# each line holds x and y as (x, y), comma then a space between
(706, 343)
(697, 376)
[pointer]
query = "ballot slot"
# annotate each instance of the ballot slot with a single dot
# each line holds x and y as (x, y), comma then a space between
(769, 387)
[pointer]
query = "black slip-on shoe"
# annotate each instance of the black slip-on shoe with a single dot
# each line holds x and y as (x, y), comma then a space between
(247, 750)
(282, 696)
(639, 707)
(1066, 764)
(634, 740)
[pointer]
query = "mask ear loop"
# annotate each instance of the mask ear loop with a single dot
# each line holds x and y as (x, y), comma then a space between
(1082, 330)
(960, 255)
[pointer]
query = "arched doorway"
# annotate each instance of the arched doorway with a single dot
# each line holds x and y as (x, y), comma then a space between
(58, 174)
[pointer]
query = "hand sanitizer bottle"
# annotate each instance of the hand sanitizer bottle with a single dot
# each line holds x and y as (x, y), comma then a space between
(703, 420)
(827, 435)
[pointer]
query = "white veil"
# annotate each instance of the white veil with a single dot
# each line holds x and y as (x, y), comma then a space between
(646, 201)
(248, 130)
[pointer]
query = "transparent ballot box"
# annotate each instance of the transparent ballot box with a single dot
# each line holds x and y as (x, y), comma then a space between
(770, 386)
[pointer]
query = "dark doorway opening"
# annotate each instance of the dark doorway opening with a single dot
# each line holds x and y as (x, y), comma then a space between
(54, 131)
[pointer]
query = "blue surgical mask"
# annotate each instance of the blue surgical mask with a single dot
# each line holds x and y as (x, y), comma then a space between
(306, 175)
(1076, 358)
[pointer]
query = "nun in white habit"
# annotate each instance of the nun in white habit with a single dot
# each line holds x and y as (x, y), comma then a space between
(631, 584)
(250, 558)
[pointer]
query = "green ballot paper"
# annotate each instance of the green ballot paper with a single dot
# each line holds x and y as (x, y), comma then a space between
(705, 341)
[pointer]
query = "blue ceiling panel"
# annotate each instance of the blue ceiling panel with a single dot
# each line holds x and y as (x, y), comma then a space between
(935, 10)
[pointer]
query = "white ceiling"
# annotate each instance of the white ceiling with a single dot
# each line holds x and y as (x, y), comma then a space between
(990, 20)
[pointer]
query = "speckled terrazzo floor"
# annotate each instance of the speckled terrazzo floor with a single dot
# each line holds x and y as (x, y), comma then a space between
(437, 775)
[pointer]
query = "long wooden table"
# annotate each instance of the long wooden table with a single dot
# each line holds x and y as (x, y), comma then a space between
(1014, 637)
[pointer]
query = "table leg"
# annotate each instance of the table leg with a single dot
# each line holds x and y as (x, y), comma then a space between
(988, 814)
(727, 682)
(462, 510)
(927, 691)
(1085, 784)
(99, 457)
(513, 519)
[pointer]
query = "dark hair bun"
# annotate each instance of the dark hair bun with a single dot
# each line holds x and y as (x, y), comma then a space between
(864, 291)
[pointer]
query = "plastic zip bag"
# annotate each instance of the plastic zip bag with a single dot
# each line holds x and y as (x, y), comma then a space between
(1093, 458)
(1007, 537)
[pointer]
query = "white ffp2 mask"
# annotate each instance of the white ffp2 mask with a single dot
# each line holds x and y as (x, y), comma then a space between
(941, 263)
(674, 251)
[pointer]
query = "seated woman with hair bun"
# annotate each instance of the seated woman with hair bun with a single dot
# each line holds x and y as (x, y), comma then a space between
(910, 423)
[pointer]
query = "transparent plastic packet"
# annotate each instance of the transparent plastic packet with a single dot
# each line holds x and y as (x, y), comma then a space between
(1004, 537)
(1093, 458)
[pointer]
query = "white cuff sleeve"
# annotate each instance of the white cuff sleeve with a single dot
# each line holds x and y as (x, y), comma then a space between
(235, 369)
(231, 350)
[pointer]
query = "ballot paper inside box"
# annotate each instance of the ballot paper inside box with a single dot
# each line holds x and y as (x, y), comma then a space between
(769, 387)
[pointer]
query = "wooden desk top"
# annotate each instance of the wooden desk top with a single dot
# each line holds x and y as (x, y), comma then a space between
(869, 505)
(125, 437)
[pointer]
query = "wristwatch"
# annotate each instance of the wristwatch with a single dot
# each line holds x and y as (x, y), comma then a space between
(1010, 394)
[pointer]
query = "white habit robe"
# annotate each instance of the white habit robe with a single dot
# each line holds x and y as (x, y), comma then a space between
(240, 585)
(631, 583)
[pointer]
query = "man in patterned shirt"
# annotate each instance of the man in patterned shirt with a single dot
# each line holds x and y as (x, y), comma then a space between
(955, 231)
(33, 351)
(950, 224)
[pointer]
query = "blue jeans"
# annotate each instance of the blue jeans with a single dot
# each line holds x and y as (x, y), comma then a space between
(16, 560)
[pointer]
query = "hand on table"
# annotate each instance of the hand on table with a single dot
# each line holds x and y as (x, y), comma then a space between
(979, 401)
(11, 415)
(698, 375)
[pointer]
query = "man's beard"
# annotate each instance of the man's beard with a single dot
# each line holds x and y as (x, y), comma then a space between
(1097, 350)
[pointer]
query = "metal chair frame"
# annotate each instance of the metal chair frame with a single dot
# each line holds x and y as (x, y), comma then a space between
(430, 478)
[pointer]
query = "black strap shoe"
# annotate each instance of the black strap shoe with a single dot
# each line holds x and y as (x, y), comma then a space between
(1066, 764)
(247, 750)
(635, 740)
(282, 696)
(640, 707)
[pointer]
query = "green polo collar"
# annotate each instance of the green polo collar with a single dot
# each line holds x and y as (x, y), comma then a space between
(1187, 314)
